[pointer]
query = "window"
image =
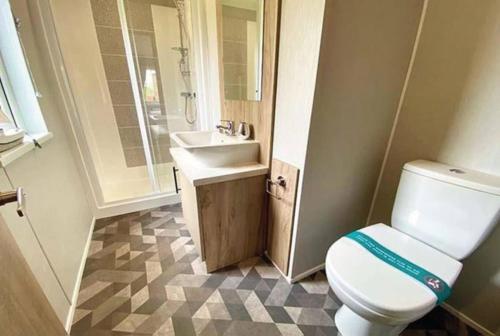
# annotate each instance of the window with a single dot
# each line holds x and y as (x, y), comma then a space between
(18, 97)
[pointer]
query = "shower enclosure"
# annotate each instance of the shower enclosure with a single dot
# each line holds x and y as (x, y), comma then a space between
(126, 65)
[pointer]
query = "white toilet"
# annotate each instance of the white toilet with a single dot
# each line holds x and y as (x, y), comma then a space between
(440, 216)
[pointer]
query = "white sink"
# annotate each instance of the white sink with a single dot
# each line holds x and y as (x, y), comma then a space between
(212, 149)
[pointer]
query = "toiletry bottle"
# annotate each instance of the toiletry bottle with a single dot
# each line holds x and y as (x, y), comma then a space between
(243, 130)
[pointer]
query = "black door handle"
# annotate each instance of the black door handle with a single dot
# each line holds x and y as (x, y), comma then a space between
(177, 189)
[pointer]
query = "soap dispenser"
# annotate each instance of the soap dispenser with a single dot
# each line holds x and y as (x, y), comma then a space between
(243, 131)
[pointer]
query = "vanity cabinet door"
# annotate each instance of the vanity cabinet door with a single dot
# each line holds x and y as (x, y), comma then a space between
(190, 211)
(231, 215)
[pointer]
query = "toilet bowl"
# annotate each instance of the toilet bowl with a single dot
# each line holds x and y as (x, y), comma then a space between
(440, 216)
(378, 298)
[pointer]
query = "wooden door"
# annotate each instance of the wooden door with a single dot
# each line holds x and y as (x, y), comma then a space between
(280, 214)
(24, 309)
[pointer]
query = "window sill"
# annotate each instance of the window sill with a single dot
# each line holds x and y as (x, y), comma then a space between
(27, 146)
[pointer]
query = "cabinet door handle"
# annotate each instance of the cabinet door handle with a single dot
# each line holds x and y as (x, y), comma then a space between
(177, 189)
(14, 196)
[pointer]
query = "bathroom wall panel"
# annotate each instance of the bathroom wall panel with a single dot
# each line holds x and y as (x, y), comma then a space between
(299, 48)
(365, 52)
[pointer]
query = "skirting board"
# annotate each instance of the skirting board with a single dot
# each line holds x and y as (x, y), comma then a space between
(465, 319)
(301, 275)
(308, 273)
(74, 298)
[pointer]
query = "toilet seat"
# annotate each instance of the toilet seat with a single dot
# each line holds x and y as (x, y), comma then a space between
(378, 291)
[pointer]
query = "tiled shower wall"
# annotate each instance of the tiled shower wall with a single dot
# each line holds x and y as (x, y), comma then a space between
(112, 49)
(234, 50)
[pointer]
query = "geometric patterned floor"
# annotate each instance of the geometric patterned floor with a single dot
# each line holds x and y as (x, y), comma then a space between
(143, 276)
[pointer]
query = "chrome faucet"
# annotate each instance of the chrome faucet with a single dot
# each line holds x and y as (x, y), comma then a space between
(228, 129)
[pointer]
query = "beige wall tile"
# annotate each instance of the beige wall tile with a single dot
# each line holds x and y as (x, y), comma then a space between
(161, 147)
(134, 157)
(110, 40)
(126, 115)
(239, 13)
(244, 91)
(116, 67)
(167, 3)
(139, 15)
(162, 154)
(105, 13)
(121, 92)
(234, 52)
(234, 29)
(130, 136)
(162, 140)
(235, 74)
(144, 43)
(233, 92)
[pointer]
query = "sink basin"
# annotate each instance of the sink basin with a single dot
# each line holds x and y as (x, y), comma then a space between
(213, 149)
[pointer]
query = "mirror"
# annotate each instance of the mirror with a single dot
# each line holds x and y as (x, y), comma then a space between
(241, 24)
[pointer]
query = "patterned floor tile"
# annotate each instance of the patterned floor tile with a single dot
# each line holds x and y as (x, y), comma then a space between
(144, 277)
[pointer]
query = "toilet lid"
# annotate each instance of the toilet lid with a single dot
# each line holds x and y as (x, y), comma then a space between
(378, 285)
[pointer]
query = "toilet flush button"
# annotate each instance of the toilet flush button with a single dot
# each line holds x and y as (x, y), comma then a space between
(457, 171)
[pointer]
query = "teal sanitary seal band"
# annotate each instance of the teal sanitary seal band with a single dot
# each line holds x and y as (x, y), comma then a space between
(431, 281)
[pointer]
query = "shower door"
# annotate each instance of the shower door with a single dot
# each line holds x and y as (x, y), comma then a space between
(158, 57)
(126, 74)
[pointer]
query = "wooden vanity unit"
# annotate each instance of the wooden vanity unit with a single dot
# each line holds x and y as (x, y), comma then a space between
(223, 209)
